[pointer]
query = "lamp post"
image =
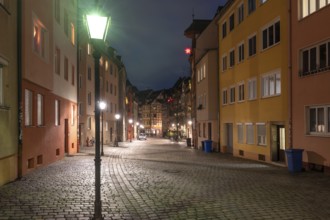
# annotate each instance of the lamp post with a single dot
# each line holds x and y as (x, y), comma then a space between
(189, 125)
(97, 27)
(102, 106)
(117, 116)
(130, 121)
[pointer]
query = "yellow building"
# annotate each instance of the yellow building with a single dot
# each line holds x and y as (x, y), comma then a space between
(253, 57)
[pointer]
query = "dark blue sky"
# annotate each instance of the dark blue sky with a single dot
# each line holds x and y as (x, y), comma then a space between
(148, 34)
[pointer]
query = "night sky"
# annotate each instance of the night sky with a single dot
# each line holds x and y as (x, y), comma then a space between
(148, 34)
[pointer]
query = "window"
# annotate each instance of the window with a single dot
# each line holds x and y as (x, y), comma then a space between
(315, 59)
(224, 63)
(240, 13)
(73, 114)
(57, 11)
(28, 107)
(40, 110)
(81, 110)
(57, 112)
(66, 23)
(241, 92)
(310, 6)
(1, 87)
(251, 6)
(72, 75)
(261, 132)
(232, 94)
(271, 35)
(224, 97)
(253, 45)
(40, 38)
(57, 61)
(271, 84)
(241, 52)
(89, 49)
(89, 98)
(252, 89)
(240, 139)
(232, 58)
(73, 35)
(89, 123)
(89, 73)
(66, 68)
(249, 133)
(224, 30)
(231, 22)
(318, 119)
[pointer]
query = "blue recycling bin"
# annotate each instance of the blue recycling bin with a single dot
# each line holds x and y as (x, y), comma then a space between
(207, 146)
(294, 159)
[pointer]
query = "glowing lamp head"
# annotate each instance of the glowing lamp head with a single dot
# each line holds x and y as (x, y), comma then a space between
(102, 105)
(97, 26)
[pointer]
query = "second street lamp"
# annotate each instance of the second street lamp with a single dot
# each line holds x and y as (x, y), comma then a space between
(97, 27)
(117, 116)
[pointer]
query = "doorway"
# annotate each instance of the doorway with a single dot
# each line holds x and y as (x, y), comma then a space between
(66, 136)
(278, 143)
(229, 131)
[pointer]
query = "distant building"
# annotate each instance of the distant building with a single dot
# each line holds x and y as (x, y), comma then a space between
(310, 56)
(8, 92)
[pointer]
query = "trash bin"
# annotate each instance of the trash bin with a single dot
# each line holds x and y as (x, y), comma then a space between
(208, 146)
(294, 159)
(188, 142)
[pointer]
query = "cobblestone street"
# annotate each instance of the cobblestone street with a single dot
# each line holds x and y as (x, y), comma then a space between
(159, 179)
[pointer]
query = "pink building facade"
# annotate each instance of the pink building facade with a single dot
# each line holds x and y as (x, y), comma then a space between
(310, 57)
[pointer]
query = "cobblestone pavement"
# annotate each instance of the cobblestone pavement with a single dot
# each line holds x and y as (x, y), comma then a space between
(158, 179)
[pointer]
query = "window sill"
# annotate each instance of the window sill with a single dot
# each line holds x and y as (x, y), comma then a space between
(325, 135)
(271, 96)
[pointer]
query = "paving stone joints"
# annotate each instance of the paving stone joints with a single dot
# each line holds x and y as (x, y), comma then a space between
(157, 179)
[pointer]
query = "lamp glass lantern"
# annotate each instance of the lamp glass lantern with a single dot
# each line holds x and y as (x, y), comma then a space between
(97, 26)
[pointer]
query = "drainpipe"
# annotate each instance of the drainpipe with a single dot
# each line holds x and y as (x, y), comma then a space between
(19, 87)
(290, 74)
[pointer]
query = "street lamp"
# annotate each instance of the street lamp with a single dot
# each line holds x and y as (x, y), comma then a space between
(130, 121)
(97, 26)
(102, 106)
(117, 116)
(189, 123)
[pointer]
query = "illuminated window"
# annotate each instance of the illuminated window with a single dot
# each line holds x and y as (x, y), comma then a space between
(73, 35)
(271, 84)
(89, 49)
(40, 110)
(57, 112)
(28, 107)
(73, 114)
(40, 39)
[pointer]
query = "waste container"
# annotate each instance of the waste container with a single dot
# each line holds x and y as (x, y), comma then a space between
(208, 146)
(188, 142)
(294, 159)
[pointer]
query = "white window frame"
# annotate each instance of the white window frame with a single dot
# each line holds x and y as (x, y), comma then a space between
(57, 112)
(261, 134)
(321, 122)
(232, 94)
(40, 109)
(249, 128)
(240, 13)
(232, 58)
(240, 133)
(224, 96)
(312, 6)
(266, 43)
(271, 84)
(252, 89)
(241, 91)
(224, 62)
(28, 115)
(252, 46)
(241, 52)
